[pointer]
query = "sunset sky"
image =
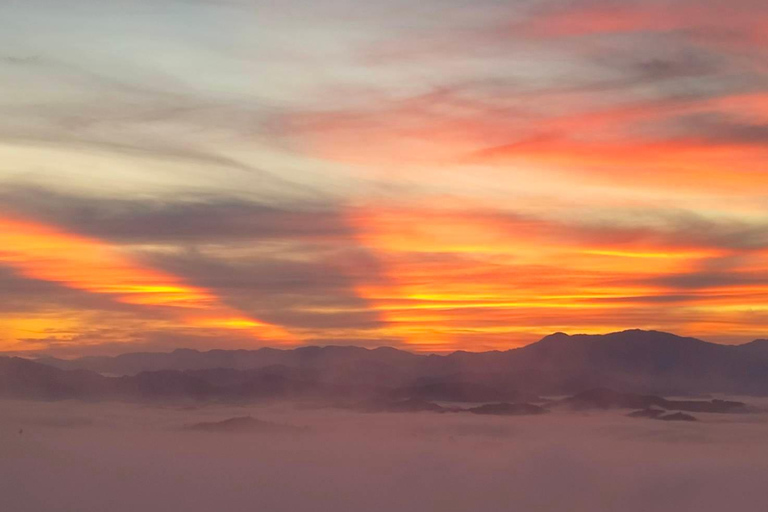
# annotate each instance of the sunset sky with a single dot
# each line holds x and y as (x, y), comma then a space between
(433, 175)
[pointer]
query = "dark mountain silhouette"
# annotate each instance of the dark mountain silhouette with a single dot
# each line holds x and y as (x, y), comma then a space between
(24, 379)
(333, 359)
(648, 362)
(21, 378)
(642, 363)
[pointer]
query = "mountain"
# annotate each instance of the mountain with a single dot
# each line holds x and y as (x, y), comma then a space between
(20, 378)
(24, 379)
(757, 348)
(648, 362)
(336, 358)
(634, 361)
(656, 362)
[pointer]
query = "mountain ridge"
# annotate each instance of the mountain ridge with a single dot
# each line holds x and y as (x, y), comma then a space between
(646, 362)
(81, 362)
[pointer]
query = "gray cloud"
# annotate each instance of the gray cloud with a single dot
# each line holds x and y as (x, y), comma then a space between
(293, 267)
(719, 128)
(191, 219)
(702, 280)
(313, 293)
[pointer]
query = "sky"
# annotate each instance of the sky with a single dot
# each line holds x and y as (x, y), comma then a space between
(434, 176)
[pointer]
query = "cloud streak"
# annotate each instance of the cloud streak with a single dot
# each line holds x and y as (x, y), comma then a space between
(45, 253)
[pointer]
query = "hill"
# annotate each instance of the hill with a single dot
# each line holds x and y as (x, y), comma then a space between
(635, 361)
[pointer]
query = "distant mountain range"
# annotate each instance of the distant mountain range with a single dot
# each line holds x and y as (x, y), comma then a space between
(635, 361)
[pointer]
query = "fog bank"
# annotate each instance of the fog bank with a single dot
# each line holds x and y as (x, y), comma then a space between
(82, 457)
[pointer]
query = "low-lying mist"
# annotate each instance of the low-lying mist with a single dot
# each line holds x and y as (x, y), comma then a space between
(83, 457)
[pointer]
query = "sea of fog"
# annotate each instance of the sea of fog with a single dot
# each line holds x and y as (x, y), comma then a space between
(91, 457)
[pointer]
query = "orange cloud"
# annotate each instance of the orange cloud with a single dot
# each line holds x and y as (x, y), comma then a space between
(634, 144)
(454, 279)
(690, 164)
(703, 21)
(47, 253)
